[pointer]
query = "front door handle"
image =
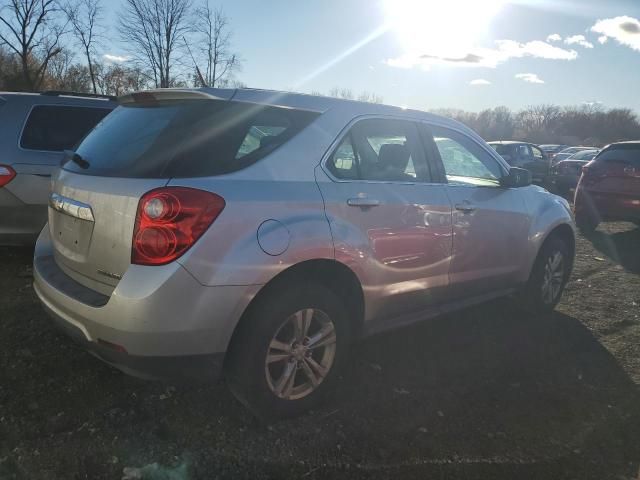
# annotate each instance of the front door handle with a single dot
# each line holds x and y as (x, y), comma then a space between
(363, 202)
(465, 207)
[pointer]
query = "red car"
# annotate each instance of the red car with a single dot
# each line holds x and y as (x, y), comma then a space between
(609, 188)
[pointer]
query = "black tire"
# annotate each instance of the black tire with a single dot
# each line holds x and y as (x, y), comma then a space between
(247, 370)
(586, 222)
(535, 300)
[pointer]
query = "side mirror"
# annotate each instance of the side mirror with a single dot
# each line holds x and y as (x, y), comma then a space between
(517, 177)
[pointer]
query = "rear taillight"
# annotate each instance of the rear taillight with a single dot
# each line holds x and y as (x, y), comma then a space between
(169, 221)
(6, 175)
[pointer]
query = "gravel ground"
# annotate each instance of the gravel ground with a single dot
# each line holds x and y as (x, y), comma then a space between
(485, 393)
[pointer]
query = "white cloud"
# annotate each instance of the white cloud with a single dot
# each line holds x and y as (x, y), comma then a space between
(115, 58)
(485, 57)
(578, 40)
(529, 77)
(479, 81)
(603, 39)
(554, 37)
(625, 30)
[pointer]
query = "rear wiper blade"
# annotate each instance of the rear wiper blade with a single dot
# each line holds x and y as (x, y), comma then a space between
(75, 158)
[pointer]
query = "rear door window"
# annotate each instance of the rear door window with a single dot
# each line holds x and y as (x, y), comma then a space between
(381, 150)
(193, 138)
(56, 128)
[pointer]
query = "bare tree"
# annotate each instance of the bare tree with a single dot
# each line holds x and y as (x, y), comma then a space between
(84, 17)
(30, 32)
(212, 25)
(153, 29)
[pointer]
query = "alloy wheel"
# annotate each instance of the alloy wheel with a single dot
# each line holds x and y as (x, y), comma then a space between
(300, 354)
(553, 278)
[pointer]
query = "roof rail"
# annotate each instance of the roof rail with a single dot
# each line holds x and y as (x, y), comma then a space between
(58, 93)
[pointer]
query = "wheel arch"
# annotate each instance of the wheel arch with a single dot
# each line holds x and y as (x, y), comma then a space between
(332, 274)
(564, 232)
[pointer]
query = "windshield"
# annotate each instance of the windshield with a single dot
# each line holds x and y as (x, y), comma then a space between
(185, 139)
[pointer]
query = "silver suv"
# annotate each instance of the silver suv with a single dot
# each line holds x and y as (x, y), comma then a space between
(257, 234)
(35, 129)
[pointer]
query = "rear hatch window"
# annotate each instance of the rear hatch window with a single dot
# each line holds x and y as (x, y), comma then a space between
(627, 154)
(192, 138)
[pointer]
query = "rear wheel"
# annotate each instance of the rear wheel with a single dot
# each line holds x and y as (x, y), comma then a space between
(288, 351)
(549, 276)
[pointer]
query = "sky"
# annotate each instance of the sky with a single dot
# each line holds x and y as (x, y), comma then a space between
(430, 54)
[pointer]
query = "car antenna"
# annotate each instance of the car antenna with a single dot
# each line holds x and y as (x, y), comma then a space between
(200, 77)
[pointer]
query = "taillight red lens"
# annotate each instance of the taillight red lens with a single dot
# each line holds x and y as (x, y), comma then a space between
(6, 175)
(169, 221)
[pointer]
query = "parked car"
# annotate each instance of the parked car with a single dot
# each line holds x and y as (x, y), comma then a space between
(525, 155)
(569, 152)
(257, 234)
(552, 150)
(35, 129)
(609, 188)
(566, 173)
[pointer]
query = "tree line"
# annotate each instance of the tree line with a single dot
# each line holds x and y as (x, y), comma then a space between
(56, 44)
(589, 124)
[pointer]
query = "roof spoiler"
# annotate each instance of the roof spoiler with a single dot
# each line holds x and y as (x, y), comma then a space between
(164, 94)
(63, 93)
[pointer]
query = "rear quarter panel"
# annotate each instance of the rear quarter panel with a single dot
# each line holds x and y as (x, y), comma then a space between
(280, 187)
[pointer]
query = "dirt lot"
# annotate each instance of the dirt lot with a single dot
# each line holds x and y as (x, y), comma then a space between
(485, 393)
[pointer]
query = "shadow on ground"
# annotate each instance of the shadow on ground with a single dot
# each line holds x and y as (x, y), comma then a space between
(486, 393)
(620, 246)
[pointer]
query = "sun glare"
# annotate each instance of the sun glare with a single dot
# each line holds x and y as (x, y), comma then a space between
(445, 28)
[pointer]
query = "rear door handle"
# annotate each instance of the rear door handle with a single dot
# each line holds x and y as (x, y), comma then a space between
(363, 202)
(465, 207)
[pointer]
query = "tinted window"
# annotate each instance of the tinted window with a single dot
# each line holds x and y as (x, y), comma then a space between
(622, 153)
(186, 138)
(464, 159)
(56, 128)
(381, 150)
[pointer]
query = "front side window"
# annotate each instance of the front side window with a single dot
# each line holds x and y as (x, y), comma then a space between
(464, 160)
(56, 128)
(537, 154)
(381, 150)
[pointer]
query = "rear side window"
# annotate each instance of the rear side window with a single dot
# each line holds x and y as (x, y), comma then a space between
(56, 128)
(629, 154)
(193, 138)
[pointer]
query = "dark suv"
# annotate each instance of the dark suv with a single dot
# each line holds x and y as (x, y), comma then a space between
(525, 155)
(609, 188)
(35, 129)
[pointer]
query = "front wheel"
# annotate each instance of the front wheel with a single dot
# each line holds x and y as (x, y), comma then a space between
(288, 351)
(549, 276)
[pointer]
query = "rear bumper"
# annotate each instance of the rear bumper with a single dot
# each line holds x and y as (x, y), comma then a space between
(178, 368)
(608, 206)
(20, 223)
(156, 316)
